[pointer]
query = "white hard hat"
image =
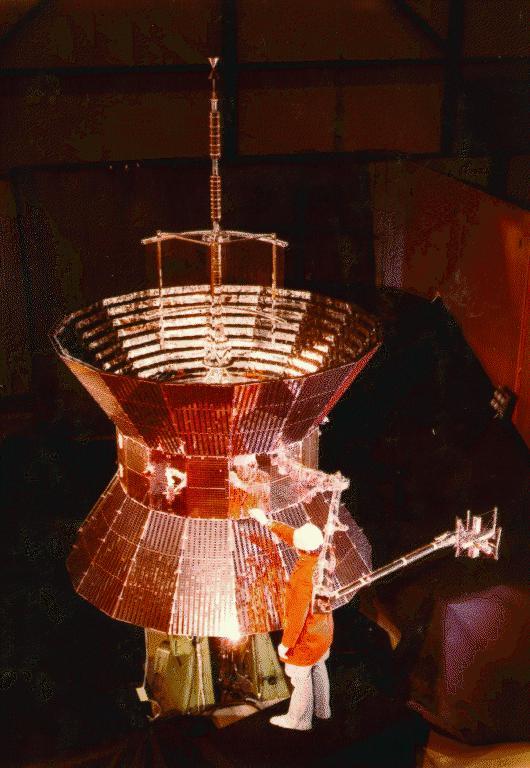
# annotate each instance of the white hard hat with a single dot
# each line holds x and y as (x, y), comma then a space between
(308, 537)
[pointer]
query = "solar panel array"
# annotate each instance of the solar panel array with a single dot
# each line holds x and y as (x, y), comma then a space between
(169, 545)
(193, 576)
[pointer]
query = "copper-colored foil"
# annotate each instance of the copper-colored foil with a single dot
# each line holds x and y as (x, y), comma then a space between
(283, 378)
(169, 544)
(192, 576)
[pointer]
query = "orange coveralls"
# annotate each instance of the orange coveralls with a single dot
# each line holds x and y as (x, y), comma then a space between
(307, 635)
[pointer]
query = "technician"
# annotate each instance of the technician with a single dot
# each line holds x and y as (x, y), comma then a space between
(306, 636)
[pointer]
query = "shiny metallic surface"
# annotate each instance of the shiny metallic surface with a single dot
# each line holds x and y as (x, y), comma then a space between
(291, 358)
(196, 576)
(217, 391)
(170, 545)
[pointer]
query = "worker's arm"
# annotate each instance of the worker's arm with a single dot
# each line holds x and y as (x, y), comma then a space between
(283, 531)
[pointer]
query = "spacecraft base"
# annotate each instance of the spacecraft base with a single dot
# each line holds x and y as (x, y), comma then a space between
(189, 675)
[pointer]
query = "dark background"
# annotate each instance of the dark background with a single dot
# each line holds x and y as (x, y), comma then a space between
(103, 140)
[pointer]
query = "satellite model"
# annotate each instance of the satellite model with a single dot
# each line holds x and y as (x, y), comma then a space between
(217, 392)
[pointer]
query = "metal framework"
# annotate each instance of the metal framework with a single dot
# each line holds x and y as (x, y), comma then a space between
(478, 535)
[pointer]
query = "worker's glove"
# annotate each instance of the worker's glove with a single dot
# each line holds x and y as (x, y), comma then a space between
(259, 515)
(283, 651)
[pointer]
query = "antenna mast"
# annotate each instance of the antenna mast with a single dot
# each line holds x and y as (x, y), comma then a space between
(215, 149)
(216, 267)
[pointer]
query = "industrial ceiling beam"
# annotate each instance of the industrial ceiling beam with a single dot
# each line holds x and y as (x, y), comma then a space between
(421, 24)
(452, 76)
(250, 66)
(23, 21)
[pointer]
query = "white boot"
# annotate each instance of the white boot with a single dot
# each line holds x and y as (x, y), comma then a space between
(319, 675)
(283, 721)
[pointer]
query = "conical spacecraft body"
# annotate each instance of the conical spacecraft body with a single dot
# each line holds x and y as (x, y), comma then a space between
(217, 392)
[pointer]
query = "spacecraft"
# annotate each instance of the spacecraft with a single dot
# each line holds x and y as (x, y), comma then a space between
(217, 391)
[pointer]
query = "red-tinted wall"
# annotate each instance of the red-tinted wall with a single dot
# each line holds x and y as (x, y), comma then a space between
(436, 236)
